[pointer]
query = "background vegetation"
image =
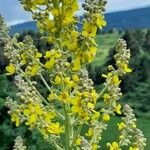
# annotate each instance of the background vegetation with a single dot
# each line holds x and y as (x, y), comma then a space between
(135, 86)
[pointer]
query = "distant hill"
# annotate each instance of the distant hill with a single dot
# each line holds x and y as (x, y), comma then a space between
(23, 27)
(130, 19)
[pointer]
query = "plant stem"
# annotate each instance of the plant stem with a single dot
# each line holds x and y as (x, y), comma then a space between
(102, 92)
(68, 129)
(45, 83)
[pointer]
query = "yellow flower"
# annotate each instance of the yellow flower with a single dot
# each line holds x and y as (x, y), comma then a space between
(23, 59)
(57, 54)
(95, 115)
(52, 96)
(55, 12)
(117, 109)
(94, 96)
(74, 5)
(114, 146)
(133, 148)
(11, 69)
(15, 118)
(90, 105)
(121, 125)
(76, 65)
(50, 63)
(31, 120)
(38, 2)
(76, 102)
(75, 78)
(89, 29)
(106, 97)
(32, 112)
(100, 22)
(64, 96)
(68, 82)
(33, 109)
(38, 55)
(32, 70)
(126, 69)
(48, 116)
(78, 141)
(55, 128)
(90, 132)
(106, 117)
(94, 146)
(48, 54)
(116, 80)
(57, 80)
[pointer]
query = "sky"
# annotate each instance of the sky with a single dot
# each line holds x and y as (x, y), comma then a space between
(13, 12)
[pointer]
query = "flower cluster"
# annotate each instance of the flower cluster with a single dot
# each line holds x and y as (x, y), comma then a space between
(70, 102)
(19, 144)
(112, 91)
(129, 133)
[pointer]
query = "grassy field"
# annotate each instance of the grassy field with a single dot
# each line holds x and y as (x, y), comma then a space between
(112, 134)
(105, 43)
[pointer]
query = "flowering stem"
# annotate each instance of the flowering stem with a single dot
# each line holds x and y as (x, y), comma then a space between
(102, 92)
(45, 83)
(34, 88)
(68, 129)
(76, 135)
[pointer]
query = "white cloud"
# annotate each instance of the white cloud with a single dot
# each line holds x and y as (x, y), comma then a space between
(117, 5)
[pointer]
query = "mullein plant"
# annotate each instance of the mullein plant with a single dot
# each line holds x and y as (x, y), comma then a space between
(70, 104)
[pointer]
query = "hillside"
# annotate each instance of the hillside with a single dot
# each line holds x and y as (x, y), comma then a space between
(131, 19)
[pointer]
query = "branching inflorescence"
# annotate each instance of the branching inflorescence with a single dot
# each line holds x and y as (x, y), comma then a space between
(71, 101)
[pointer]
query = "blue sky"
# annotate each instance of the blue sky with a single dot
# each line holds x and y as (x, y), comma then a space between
(14, 13)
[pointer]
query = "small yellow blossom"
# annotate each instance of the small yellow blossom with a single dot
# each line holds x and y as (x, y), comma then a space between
(116, 80)
(38, 55)
(31, 120)
(55, 128)
(75, 78)
(11, 69)
(94, 146)
(15, 118)
(134, 148)
(78, 141)
(32, 70)
(90, 132)
(126, 69)
(76, 65)
(64, 97)
(57, 80)
(68, 82)
(100, 22)
(48, 54)
(117, 109)
(106, 97)
(76, 102)
(90, 105)
(121, 125)
(23, 58)
(114, 146)
(50, 63)
(106, 117)
(95, 115)
(89, 29)
(52, 96)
